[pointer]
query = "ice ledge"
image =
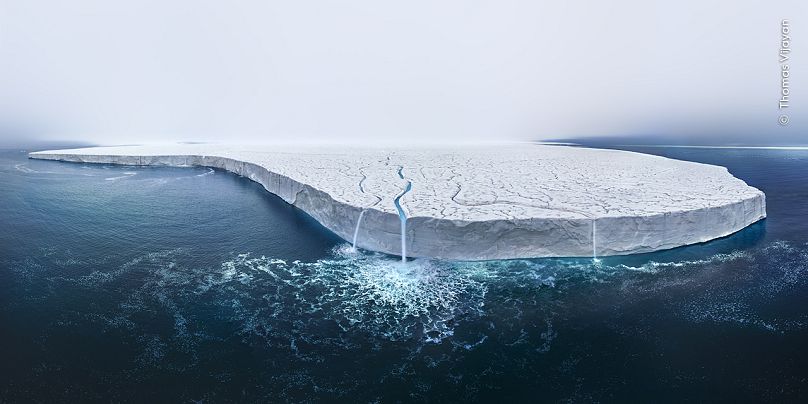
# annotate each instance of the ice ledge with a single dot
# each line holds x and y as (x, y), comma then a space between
(477, 203)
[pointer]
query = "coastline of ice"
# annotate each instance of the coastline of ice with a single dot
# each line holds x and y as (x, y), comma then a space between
(475, 203)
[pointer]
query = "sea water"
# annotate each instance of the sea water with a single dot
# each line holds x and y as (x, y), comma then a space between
(180, 284)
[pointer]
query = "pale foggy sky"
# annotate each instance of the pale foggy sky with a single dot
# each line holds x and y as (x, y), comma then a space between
(149, 71)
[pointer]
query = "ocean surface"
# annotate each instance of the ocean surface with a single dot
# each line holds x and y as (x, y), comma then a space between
(133, 284)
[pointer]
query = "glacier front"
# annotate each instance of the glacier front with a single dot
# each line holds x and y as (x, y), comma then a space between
(480, 202)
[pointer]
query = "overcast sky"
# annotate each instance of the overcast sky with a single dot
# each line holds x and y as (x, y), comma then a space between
(146, 71)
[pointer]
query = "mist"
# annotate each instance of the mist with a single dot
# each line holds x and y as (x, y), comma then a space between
(373, 72)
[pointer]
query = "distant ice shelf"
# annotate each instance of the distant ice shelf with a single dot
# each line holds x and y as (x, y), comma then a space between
(481, 202)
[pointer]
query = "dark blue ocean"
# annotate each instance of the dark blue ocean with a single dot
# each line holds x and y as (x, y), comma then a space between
(143, 284)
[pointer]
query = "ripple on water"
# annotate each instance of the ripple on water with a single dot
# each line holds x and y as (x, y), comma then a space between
(353, 298)
(743, 295)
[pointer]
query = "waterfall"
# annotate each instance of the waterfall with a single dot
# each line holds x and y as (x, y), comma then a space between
(402, 216)
(594, 240)
(356, 231)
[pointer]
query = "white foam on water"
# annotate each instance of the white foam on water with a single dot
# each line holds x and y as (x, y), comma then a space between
(23, 168)
(126, 174)
(374, 296)
(655, 267)
(372, 292)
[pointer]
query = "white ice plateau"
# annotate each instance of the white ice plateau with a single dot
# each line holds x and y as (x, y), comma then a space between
(480, 202)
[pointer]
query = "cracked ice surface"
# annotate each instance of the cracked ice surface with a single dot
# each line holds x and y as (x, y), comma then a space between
(496, 201)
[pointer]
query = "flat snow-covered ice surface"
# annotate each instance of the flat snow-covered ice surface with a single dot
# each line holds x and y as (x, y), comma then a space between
(481, 202)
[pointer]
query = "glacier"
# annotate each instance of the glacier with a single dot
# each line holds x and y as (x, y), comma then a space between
(480, 202)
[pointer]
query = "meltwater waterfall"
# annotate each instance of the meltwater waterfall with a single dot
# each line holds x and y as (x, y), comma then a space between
(402, 216)
(356, 231)
(594, 240)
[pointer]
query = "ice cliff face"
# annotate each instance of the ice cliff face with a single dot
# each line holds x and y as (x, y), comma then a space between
(472, 203)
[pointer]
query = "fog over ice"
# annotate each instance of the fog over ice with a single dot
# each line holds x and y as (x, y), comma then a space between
(151, 71)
